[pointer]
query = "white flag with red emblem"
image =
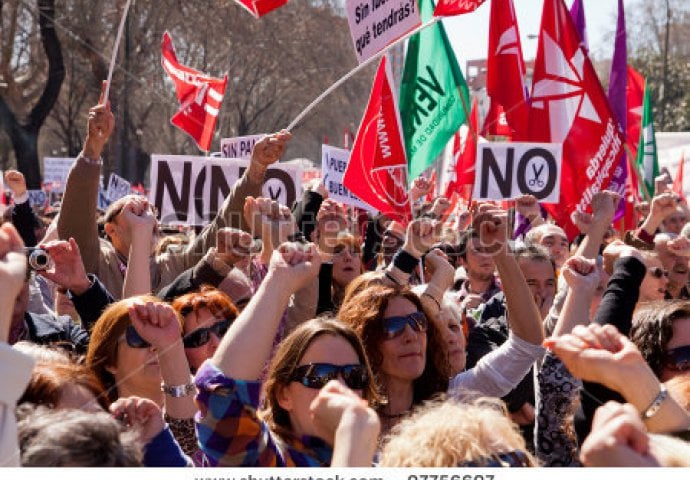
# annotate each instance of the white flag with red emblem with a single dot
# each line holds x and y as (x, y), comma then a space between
(569, 105)
(200, 97)
(377, 171)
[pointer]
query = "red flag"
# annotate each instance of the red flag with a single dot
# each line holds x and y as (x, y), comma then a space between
(678, 181)
(456, 7)
(259, 8)
(569, 105)
(495, 123)
(466, 158)
(377, 170)
(635, 99)
(200, 97)
(505, 76)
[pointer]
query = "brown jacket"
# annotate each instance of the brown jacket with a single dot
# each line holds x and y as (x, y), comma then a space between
(78, 220)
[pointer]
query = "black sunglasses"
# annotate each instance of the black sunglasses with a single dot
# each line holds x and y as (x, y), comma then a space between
(134, 340)
(317, 375)
(677, 359)
(395, 326)
(657, 272)
(201, 336)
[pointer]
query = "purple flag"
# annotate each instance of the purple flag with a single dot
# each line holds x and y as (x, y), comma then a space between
(618, 83)
(577, 13)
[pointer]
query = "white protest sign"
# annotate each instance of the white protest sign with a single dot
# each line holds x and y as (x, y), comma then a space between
(55, 170)
(118, 187)
(507, 170)
(333, 164)
(190, 190)
(374, 24)
(37, 198)
(238, 147)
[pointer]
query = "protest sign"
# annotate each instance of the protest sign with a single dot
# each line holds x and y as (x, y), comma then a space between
(375, 24)
(333, 164)
(118, 187)
(507, 170)
(190, 190)
(37, 198)
(238, 147)
(55, 170)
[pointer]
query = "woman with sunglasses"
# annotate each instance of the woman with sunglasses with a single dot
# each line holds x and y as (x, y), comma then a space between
(408, 344)
(206, 316)
(232, 430)
(136, 350)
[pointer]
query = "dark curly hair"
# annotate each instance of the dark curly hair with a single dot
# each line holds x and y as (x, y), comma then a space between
(364, 313)
(652, 329)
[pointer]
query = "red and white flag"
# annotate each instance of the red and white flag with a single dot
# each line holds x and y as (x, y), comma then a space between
(569, 105)
(465, 158)
(200, 97)
(446, 8)
(377, 170)
(505, 77)
(496, 123)
(259, 8)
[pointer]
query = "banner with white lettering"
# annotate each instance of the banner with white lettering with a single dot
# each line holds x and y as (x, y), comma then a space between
(333, 164)
(118, 187)
(375, 24)
(238, 147)
(507, 170)
(55, 170)
(190, 190)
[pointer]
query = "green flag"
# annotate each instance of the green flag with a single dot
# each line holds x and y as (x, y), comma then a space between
(434, 100)
(647, 163)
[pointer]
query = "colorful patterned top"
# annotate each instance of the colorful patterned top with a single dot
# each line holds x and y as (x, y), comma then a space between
(231, 434)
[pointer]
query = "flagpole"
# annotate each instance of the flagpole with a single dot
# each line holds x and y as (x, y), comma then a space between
(355, 70)
(640, 174)
(116, 48)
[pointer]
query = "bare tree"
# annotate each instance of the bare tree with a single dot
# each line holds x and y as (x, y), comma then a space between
(28, 92)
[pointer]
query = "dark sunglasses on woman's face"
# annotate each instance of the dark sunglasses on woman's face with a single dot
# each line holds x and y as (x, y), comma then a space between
(134, 340)
(201, 336)
(394, 326)
(317, 375)
(677, 359)
(516, 458)
(657, 272)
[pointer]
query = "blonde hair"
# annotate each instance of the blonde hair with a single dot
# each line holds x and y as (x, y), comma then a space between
(447, 433)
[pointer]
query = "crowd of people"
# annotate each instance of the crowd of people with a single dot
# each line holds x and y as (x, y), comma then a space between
(318, 335)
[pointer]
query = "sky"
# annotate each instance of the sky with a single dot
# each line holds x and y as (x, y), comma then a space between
(469, 34)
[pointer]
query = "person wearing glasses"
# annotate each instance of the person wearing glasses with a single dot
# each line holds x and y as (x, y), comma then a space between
(292, 427)
(206, 316)
(407, 342)
(136, 349)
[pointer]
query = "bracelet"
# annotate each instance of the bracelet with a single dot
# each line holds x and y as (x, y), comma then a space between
(178, 391)
(655, 406)
(404, 261)
(438, 304)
